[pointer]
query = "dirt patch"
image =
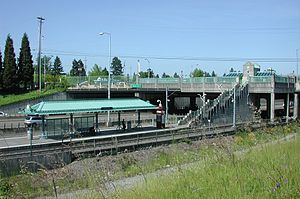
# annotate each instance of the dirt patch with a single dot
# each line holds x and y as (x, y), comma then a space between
(110, 165)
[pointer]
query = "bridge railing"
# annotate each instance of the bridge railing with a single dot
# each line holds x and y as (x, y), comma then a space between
(116, 81)
(284, 79)
(260, 79)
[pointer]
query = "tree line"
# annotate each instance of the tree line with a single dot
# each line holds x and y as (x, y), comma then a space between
(17, 74)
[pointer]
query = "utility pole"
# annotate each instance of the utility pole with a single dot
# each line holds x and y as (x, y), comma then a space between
(41, 19)
(45, 71)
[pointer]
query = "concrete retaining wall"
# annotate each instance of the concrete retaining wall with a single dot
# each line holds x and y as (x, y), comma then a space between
(13, 166)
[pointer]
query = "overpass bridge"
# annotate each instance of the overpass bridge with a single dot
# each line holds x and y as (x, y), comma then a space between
(185, 94)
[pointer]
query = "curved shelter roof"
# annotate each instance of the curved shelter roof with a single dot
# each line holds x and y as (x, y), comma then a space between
(87, 106)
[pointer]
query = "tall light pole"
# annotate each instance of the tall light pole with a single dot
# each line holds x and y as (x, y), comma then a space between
(109, 62)
(297, 63)
(41, 19)
(109, 65)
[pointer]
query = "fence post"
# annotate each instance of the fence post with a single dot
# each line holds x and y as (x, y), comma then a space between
(94, 146)
(116, 142)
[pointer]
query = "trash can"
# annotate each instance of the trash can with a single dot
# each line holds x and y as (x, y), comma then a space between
(128, 125)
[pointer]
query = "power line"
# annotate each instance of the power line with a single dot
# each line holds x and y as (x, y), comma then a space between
(213, 59)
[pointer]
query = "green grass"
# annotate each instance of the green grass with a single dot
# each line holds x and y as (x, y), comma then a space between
(220, 171)
(10, 99)
(268, 172)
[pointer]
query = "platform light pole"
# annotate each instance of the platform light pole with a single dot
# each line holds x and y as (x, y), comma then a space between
(109, 66)
(41, 19)
(109, 61)
(297, 63)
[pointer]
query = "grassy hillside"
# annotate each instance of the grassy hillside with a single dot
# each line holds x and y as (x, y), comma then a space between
(270, 171)
(11, 99)
(239, 166)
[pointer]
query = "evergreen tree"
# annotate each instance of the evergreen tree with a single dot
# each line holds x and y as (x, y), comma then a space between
(150, 73)
(57, 67)
(105, 72)
(25, 65)
(116, 67)
(77, 68)
(10, 67)
(213, 74)
(176, 75)
(1, 70)
(81, 69)
(74, 70)
(164, 75)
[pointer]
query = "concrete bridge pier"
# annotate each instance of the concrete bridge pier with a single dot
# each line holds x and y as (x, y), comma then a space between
(287, 106)
(193, 103)
(295, 106)
(272, 106)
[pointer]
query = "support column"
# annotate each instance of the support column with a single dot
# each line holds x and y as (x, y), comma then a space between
(139, 119)
(96, 125)
(119, 120)
(287, 107)
(193, 103)
(295, 106)
(71, 129)
(272, 107)
(234, 107)
(43, 127)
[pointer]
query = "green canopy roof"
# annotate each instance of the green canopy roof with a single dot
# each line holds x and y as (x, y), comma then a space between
(87, 106)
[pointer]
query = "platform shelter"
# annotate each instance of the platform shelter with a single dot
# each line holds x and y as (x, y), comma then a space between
(59, 127)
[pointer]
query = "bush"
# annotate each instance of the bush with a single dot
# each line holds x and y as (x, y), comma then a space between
(5, 188)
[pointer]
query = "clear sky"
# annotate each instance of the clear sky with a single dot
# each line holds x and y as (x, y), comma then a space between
(172, 35)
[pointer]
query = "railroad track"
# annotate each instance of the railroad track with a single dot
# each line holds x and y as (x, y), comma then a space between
(117, 142)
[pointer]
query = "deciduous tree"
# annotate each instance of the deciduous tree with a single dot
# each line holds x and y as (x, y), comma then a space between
(98, 71)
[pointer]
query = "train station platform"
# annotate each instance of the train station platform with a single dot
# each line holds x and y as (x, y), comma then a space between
(24, 141)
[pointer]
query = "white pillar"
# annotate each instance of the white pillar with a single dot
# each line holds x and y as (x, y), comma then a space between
(272, 107)
(295, 106)
(287, 107)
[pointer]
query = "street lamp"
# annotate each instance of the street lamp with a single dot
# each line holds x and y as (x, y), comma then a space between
(297, 63)
(109, 64)
(109, 61)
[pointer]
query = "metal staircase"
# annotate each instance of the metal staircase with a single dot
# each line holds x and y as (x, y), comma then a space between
(230, 107)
